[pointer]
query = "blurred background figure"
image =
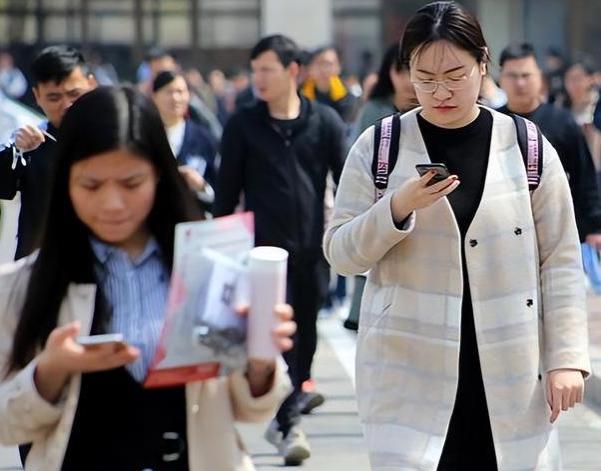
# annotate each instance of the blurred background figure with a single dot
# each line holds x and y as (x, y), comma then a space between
(392, 91)
(581, 98)
(12, 81)
(491, 94)
(554, 70)
(242, 89)
(326, 86)
(190, 143)
(103, 70)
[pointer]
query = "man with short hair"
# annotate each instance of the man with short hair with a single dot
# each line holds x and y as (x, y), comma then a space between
(521, 79)
(278, 152)
(60, 75)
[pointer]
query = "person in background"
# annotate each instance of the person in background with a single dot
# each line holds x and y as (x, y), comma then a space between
(104, 266)
(473, 331)
(12, 81)
(278, 153)
(244, 95)
(521, 78)
(60, 75)
(581, 98)
(392, 93)
(191, 144)
(325, 85)
(554, 71)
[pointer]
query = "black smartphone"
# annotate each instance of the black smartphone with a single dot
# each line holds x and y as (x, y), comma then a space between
(441, 172)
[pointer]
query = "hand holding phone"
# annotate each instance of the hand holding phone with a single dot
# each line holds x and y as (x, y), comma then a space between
(91, 341)
(441, 172)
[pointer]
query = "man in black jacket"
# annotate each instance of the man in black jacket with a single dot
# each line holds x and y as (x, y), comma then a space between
(521, 79)
(60, 76)
(278, 152)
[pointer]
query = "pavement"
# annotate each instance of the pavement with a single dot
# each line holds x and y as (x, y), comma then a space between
(335, 433)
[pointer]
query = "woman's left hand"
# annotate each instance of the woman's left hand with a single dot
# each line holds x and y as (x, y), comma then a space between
(192, 177)
(565, 388)
(260, 372)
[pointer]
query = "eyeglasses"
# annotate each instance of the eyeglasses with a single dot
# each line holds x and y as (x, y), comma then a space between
(451, 84)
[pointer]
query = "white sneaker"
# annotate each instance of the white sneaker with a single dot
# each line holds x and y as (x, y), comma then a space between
(294, 448)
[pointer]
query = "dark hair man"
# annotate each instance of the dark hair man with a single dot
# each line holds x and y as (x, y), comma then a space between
(521, 79)
(278, 152)
(60, 75)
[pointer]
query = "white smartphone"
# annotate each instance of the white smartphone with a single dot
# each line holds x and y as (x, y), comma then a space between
(103, 339)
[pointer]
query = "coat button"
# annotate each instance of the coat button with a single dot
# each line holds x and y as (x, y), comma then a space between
(517, 231)
(473, 242)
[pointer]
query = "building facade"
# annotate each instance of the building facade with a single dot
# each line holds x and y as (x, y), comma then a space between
(219, 33)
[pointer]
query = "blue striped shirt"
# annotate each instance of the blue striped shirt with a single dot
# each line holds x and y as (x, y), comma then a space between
(136, 292)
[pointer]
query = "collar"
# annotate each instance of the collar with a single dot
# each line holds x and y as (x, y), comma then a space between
(103, 251)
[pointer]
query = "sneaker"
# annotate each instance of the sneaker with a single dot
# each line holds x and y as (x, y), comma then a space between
(294, 448)
(307, 401)
(273, 434)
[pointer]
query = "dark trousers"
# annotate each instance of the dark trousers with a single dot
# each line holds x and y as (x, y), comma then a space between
(306, 272)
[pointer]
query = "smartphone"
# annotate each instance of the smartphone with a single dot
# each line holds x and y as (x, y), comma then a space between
(441, 172)
(103, 339)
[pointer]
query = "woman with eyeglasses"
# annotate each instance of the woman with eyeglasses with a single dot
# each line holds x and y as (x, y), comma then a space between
(103, 267)
(472, 335)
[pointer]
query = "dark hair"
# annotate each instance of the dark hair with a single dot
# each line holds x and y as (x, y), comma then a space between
(516, 51)
(102, 120)
(284, 47)
(55, 63)
(320, 50)
(155, 53)
(384, 86)
(164, 78)
(585, 62)
(443, 21)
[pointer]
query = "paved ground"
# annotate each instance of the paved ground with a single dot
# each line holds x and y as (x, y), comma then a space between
(335, 433)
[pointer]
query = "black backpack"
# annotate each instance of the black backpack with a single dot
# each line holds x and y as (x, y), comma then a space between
(387, 140)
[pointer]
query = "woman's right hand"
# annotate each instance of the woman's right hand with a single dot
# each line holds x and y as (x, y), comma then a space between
(63, 356)
(416, 194)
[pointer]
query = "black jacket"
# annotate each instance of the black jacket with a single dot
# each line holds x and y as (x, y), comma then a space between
(198, 144)
(33, 181)
(281, 167)
(559, 127)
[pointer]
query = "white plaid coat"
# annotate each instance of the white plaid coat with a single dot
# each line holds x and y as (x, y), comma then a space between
(527, 286)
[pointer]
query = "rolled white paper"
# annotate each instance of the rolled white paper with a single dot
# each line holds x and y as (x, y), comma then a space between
(267, 277)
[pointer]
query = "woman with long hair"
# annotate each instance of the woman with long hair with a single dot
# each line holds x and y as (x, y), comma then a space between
(103, 267)
(473, 328)
(392, 93)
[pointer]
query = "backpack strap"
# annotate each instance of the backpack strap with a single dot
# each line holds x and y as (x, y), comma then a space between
(530, 141)
(387, 134)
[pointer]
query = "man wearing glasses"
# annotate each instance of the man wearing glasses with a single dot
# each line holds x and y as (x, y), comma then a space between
(521, 79)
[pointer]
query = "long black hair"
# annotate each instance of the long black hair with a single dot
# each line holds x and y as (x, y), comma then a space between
(384, 87)
(444, 21)
(103, 120)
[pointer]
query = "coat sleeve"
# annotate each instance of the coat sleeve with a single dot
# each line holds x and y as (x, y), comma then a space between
(565, 335)
(255, 409)
(9, 177)
(231, 171)
(24, 415)
(361, 232)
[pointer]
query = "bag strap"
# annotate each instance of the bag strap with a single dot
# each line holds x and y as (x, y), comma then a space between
(387, 135)
(530, 141)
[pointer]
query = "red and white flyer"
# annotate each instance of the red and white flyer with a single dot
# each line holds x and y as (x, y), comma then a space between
(203, 335)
